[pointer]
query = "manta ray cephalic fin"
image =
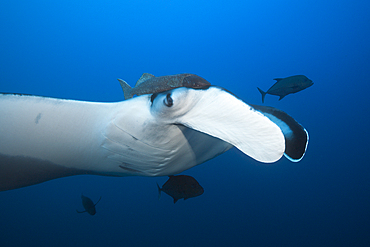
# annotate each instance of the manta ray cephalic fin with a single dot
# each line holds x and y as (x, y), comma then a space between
(220, 114)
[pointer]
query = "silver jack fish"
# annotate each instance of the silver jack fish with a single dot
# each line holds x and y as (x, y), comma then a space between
(88, 205)
(288, 85)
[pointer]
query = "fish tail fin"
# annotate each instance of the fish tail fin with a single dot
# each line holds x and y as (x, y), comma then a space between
(125, 88)
(263, 94)
(97, 201)
(159, 192)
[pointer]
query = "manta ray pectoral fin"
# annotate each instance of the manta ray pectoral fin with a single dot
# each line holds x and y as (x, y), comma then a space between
(219, 114)
(20, 171)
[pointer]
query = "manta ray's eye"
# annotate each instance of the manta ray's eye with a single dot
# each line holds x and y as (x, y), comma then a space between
(168, 101)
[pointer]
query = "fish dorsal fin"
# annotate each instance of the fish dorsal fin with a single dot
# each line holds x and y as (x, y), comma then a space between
(144, 77)
(97, 202)
(278, 79)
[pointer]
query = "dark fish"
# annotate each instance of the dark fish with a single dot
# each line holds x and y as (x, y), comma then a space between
(148, 84)
(88, 204)
(181, 186)
(288, 85)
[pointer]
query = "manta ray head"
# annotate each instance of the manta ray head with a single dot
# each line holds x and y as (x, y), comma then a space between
(215, 112)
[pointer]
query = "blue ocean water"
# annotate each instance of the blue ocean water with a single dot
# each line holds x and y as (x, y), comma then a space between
(77, 50)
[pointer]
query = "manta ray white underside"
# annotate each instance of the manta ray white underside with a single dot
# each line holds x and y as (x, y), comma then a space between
(151, 135)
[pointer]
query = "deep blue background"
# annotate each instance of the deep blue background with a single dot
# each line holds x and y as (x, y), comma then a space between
(77, 49)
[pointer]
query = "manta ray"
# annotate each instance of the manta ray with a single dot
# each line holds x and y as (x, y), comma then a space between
(158, 134)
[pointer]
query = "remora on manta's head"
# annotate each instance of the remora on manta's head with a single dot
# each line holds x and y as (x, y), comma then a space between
(148, 84)
(158, 134)
(288, 85)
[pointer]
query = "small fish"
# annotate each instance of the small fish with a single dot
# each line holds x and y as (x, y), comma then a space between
(148, 84)
(88, 204)
(288, 85)
(181, 186)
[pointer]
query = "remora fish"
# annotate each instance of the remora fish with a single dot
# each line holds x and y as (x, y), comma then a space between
(162, 134)
(148, 84)
(288, 85)
(88, 205)
(181, 186)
